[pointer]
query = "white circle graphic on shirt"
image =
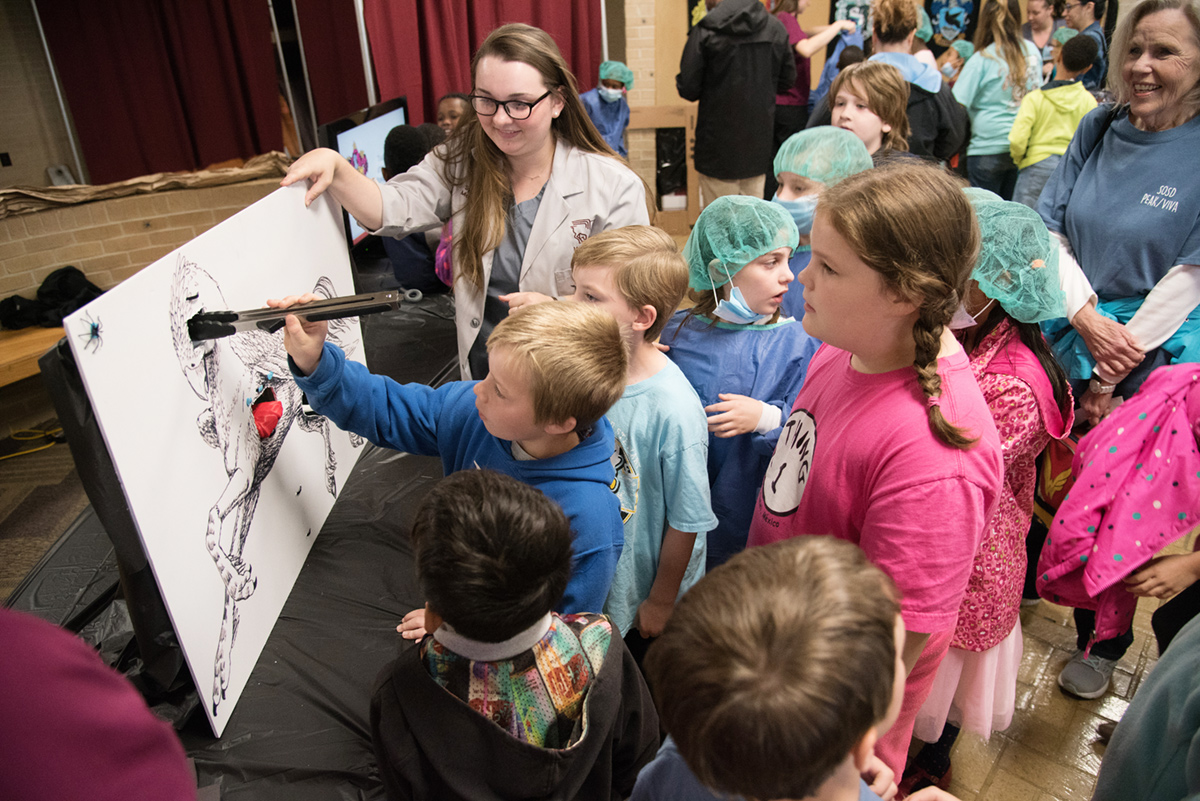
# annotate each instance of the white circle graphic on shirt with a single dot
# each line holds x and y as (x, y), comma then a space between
(787, 473)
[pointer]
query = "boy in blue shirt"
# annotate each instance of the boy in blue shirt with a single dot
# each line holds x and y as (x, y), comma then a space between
(636, 274)
(555, 369)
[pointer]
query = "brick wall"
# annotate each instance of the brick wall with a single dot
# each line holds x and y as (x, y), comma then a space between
(32, 130)
(639, 57)
(109, 240)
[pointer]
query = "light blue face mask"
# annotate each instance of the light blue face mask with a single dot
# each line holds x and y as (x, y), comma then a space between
(802, 211)
(610, 95)
(948, 70)
(735, 309)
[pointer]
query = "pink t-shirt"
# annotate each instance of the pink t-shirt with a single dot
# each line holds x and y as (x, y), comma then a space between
(857, 460)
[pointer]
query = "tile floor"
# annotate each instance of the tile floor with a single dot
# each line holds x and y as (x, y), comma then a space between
(1050, 752)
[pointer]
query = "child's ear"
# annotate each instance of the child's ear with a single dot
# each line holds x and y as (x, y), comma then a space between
(864, 749)
(558, 429)
(645, 318)
(886, 128)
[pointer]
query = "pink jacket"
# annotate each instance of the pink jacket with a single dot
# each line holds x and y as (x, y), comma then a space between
(1021, 399)
(1137, 489)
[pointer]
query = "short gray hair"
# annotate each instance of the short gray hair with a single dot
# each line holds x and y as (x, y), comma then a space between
(1124, 32)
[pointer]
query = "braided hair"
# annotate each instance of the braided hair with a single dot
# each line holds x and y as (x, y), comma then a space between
(912, 224)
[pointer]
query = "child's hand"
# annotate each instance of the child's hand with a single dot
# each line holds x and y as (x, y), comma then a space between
(1165, 576)
(303, 341)
(880, 778)
(652, 617)
(412, 625)
(849, 26)
(932, 794)
(737, 414)
(318, 168)
(516, 300)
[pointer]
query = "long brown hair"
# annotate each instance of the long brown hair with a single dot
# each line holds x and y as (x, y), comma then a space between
(912, 224)
(472, 160)
(886, 93)
(1000, 23)
(894, 20)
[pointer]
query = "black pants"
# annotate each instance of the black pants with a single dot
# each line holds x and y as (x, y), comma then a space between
(1114, 649)
(1174, 615)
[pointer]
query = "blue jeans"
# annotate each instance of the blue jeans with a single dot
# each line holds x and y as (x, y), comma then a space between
(1032, 179)
(994, 172)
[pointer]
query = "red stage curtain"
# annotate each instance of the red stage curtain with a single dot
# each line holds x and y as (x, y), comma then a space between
(329, 30)
(423, 48)
(161, 85)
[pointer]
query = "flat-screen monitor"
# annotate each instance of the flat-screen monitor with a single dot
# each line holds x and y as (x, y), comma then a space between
(359, 137)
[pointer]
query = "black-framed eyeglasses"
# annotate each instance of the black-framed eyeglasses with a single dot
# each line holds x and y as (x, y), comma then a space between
(515, 109)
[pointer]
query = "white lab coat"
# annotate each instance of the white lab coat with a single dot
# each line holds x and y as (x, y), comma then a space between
(585, 194)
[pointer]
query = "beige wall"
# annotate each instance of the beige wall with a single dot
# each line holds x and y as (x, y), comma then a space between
(32, 130)
(110, 240)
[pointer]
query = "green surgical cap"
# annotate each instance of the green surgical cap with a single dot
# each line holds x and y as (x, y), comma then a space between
(1018, 259)
(824, 154)
(1064, 35)
(925, 26)
(731, 232)
(616, 71)
(964, 48)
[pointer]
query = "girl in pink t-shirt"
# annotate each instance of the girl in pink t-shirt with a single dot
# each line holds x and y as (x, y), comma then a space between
(890, 443)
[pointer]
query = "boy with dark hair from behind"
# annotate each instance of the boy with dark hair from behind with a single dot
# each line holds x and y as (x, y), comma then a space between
(776, 675)
(412, 257)
(1048, 117)
(506, 699)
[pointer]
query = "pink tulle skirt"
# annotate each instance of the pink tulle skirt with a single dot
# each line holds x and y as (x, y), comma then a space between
(973, 690)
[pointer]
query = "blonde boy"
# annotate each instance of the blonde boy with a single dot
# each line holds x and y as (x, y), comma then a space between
(637, 275)
(555, 369)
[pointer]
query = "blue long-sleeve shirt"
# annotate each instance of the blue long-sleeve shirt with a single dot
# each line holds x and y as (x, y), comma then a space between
(416, 418)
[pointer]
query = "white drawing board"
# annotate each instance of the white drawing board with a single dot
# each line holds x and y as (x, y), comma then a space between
(226, 502)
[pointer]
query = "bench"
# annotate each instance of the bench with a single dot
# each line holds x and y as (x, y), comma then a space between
(21, 349)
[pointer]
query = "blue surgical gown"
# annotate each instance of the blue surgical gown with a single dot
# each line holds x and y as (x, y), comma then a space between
(765, 362)
(611, 119)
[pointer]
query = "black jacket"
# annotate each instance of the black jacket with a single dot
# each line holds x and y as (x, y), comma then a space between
(938, 126)
(431, 745)
(735, 61)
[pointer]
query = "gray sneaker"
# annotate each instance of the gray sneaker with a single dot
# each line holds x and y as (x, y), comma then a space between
(1087, 678)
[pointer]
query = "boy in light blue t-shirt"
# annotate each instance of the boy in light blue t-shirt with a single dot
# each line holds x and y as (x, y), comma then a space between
(661, 457)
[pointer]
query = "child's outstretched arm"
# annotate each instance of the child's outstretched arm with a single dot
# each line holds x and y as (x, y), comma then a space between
(303, 340)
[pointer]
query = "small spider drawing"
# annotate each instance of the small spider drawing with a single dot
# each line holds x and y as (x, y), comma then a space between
(94, 328)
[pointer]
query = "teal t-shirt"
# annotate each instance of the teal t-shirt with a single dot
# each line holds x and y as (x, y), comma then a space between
(991, 105)
(661, 462)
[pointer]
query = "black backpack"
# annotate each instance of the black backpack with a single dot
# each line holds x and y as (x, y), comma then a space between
(64, 291)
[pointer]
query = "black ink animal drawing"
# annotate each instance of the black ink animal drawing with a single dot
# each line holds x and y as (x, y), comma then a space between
(252, 404)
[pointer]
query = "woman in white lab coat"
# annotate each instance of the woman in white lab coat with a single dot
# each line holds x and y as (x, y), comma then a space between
(524, 179)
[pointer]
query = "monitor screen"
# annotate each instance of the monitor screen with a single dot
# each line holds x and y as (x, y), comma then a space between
(360, 137)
